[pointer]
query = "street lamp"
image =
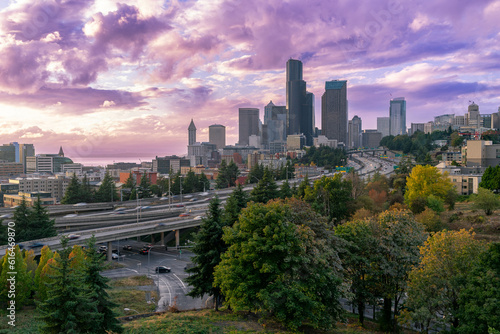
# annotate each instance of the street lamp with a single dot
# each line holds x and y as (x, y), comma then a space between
(180, 183)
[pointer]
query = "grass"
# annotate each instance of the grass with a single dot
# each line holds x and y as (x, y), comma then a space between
(124, 294)
(226, 322)
(26, 322)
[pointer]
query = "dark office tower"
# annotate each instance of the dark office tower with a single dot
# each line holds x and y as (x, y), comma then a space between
(334, 110)
(295, 96)
(307, 119)
(354, 133)
(192, 133)
(248, 124)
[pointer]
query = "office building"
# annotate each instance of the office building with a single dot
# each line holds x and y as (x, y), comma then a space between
(295, 142)
(8, 153)
(354, 132)
(334, 111)
(397, 116)
(217, 135)
(371, 138)
(383, 126)
(11, 169)
(164, 165)
(417, 127)
(299, 103)
(46, 163)
(248, 124)
(323, 141)
(481, 153)
(472, 117)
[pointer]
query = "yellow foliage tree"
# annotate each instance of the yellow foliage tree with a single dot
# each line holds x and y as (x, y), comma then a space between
(424, 181)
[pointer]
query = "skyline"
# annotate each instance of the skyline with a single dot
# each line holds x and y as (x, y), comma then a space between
(106, 80)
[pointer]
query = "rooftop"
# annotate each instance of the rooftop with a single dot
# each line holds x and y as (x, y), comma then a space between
(335, 84)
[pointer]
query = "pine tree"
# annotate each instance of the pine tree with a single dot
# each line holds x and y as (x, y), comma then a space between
(265, 190)
(93, 265)
(130, 182)
(73, 192)
(190, 183)
(222, 178)
(41, 226)
(145, 186)
(208, 249)
(235, 202)
(86, 194)
(107, 190)
(285, 190)
(70, 306)
(203, 183)
(21, 218)
(232, 173)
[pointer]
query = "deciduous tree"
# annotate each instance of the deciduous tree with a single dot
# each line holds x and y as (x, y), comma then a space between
(486, 200)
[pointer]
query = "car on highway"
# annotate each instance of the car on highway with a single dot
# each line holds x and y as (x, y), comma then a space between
(71, 215)
(160, 224)
(163, 198)
(80, 204)
(127, 247)
(198, 217)
(144, 251)
(36, 245)
(179, 205)
(184, 215)
(162, 269)
(114, 256)
(193, 199)
(120, 209)
(148, 246)
(103, 248)
(8, 215)
(73, 236)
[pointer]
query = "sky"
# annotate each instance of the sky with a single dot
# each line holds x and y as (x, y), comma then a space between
(122, 80)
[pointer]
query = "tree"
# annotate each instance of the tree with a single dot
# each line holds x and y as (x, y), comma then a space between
(92, 267)
(69, 307)
(285, 190)
(486, 200)
(424, 181)
(278, 265)
(222, 180)
(479, 306)
(31, 265)
(107, 190)
(399, 236)
(22, 220)
(435, 284)
(41, 226)
(145, 186)
(203, 183)
(232, 173)
(234, 204)
(331, 197)
(73, 191)
(46, 255)
(14, 277)
(86, 193)
(357, 261)
(265, 190)
(47, 275)
(208, 249)
(190, 183)
(256, 173)
(301, 190)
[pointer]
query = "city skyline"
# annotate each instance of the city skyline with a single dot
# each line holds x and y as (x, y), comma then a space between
(115, 81)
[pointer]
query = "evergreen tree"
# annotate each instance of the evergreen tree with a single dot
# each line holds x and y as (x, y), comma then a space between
(70, 306)
(93, 265)
(22, 283)
(301, 190)
(232, 173)
(234, 204)
(86, 194)
(73, 192)
(265, 190)
(21, 218)
(41, 226)
(203, 183)
(208, 250)
(285, 190)
(222, 178)
(175, 187)
(145, 186)
(256, 173)
(107, 190)
(130, 182)
(190, 183)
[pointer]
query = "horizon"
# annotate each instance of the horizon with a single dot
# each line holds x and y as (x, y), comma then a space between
(115, 81)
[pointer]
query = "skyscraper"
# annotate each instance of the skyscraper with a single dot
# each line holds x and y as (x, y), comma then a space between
(248, 124)
(383, 126)
(334, 110)
(295, 96)
(354, 132)
(191, 133)
(397, 116)
(217, 135)
(299, 103)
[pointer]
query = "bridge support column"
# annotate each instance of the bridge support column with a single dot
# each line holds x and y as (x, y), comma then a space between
(139, 239)
(177, 243)
(152, 239)
(109, 257)
(162, 238)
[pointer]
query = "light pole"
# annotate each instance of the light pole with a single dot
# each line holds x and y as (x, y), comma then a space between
(180, 183)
